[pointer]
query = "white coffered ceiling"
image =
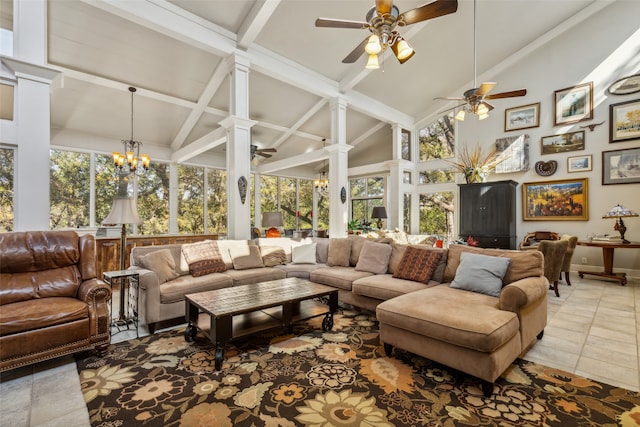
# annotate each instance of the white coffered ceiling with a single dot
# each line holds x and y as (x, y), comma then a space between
(175, 52)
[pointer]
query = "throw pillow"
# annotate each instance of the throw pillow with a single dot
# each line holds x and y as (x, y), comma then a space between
(374, 258)
(304, 254)
(417, 264)
(203, 258)
(397, 251)
(339, 251)
(480, 273)
(246, 257)
(273, 255)
(162, 263)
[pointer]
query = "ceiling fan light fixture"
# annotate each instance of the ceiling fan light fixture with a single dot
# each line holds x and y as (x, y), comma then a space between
(460, 116)
(482, 110)
(373, 46)
(402, 50)
(372, 63)
(482, 116)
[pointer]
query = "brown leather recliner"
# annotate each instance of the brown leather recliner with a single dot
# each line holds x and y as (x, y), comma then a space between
(51, 302)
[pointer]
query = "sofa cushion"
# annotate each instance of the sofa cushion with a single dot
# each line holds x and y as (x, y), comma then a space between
(466, 319)
(304, 254)
(246, 257)
(357, 243)
(162, 263)
(338, 277)
(480, 273)
(226, 245)
(523, 263)
(322, 249)
(374, 258)
(397, 250)
(302, 271)
(203, 258)
(418, 264)
(41, 313)
(385, 286)
(273, 255)
(339, 251)
(176, 289)
(254, 275)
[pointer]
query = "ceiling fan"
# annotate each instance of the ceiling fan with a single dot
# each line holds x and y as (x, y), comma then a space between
(475, 98)
(381, 21)
(261, 151)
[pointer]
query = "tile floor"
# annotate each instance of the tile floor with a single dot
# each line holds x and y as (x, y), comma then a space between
(593, 330)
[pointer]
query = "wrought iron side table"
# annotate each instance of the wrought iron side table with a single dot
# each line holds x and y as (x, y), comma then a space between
(128, 289)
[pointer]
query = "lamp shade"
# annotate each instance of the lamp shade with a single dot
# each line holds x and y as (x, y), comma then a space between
(379, 212)
(123, 211)
(619, 212)
(272, 219)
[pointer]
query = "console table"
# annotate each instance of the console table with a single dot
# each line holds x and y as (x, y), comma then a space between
(607, 257)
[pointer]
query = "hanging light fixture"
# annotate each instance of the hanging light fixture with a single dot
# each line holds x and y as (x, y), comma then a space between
(131, 161)
(321, 184)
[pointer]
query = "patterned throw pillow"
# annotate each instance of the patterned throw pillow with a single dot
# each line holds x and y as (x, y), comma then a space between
(203, 258)
(273, 255)
(417, 264)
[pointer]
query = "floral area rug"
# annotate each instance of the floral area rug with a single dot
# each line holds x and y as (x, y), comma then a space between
(336, 378)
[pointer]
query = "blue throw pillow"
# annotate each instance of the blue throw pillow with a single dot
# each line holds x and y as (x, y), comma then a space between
(480, 273)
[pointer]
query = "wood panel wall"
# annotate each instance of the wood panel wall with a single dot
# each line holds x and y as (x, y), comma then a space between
(108, 248)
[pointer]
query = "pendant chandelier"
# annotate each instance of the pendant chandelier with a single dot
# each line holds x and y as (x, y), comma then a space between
(131, 162)
(321, 184)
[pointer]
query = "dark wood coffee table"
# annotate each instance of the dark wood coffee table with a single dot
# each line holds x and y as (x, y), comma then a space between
(228, 313)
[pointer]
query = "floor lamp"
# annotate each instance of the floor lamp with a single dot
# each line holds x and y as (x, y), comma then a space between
(124, 211)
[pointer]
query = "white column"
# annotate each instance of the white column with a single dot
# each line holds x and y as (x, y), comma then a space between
(29, 31)
(395, 192)
(338, 168)
(238, 128)
(173, 198)
(257, 197)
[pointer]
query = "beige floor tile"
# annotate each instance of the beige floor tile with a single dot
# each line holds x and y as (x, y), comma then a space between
(609, 356)
(566, 334)
(608, 372)
(552, 357)
(559, 343)
(628, 348)
(628, 336)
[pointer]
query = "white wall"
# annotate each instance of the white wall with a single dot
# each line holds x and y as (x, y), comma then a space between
(602, 49)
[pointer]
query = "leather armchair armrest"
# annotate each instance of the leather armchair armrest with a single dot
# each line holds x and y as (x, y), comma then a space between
(97, 295)
(523, 292)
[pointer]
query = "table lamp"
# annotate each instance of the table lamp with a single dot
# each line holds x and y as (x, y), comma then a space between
(123, 211)
(618, 212)
(379, 213)
(272, 220)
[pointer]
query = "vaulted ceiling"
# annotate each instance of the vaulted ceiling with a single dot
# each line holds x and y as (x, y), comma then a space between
(176, 53)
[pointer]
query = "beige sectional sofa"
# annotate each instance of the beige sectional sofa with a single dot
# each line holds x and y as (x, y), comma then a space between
(432, 302)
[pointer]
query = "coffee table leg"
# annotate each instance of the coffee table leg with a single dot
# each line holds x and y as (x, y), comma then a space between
(327, 322)
(221, 332)
(219, 356)
(192, 318)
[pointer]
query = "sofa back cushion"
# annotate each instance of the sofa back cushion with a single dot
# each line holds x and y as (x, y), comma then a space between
(523, 263)
(322, 249)
(357, 242)
(162, 263)
(374, 258)
(40, 264)
(226, 245)
(339, 252)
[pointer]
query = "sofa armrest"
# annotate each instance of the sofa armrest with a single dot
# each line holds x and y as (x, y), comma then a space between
(523, 292)
(97, 295)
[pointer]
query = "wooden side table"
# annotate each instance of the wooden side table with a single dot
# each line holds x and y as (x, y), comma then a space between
(128, 289)
(607, 258)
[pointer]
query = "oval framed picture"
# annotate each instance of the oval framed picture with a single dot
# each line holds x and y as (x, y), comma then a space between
(625, 86)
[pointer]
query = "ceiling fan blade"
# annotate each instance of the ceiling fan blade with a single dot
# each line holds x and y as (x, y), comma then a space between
(428, 11)
(383, 6)
(513, 93)
(268, 156)
(356, 53)
(341, 23)
(449, 98)
(268, 150)
(485, 88)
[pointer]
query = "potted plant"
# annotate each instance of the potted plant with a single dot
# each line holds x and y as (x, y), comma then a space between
(476, 165)
(352, 226)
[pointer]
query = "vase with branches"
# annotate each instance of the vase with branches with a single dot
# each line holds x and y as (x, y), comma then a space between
(475, 164)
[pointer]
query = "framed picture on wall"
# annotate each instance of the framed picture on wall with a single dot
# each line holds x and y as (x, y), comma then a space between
(579, 163)
(566, 200)
(573, 104)
(621, 166)
(527, 116)
(624, 121)
(571, 141)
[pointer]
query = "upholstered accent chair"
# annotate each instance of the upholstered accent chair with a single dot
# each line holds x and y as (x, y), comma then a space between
(531, 240)
(554, 252)
(566, 262)
(51, 303)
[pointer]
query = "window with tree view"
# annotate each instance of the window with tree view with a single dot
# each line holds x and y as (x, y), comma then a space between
(366, 193)
(6, 189)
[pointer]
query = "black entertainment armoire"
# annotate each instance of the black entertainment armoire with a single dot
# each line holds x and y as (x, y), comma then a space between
(488, 213)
